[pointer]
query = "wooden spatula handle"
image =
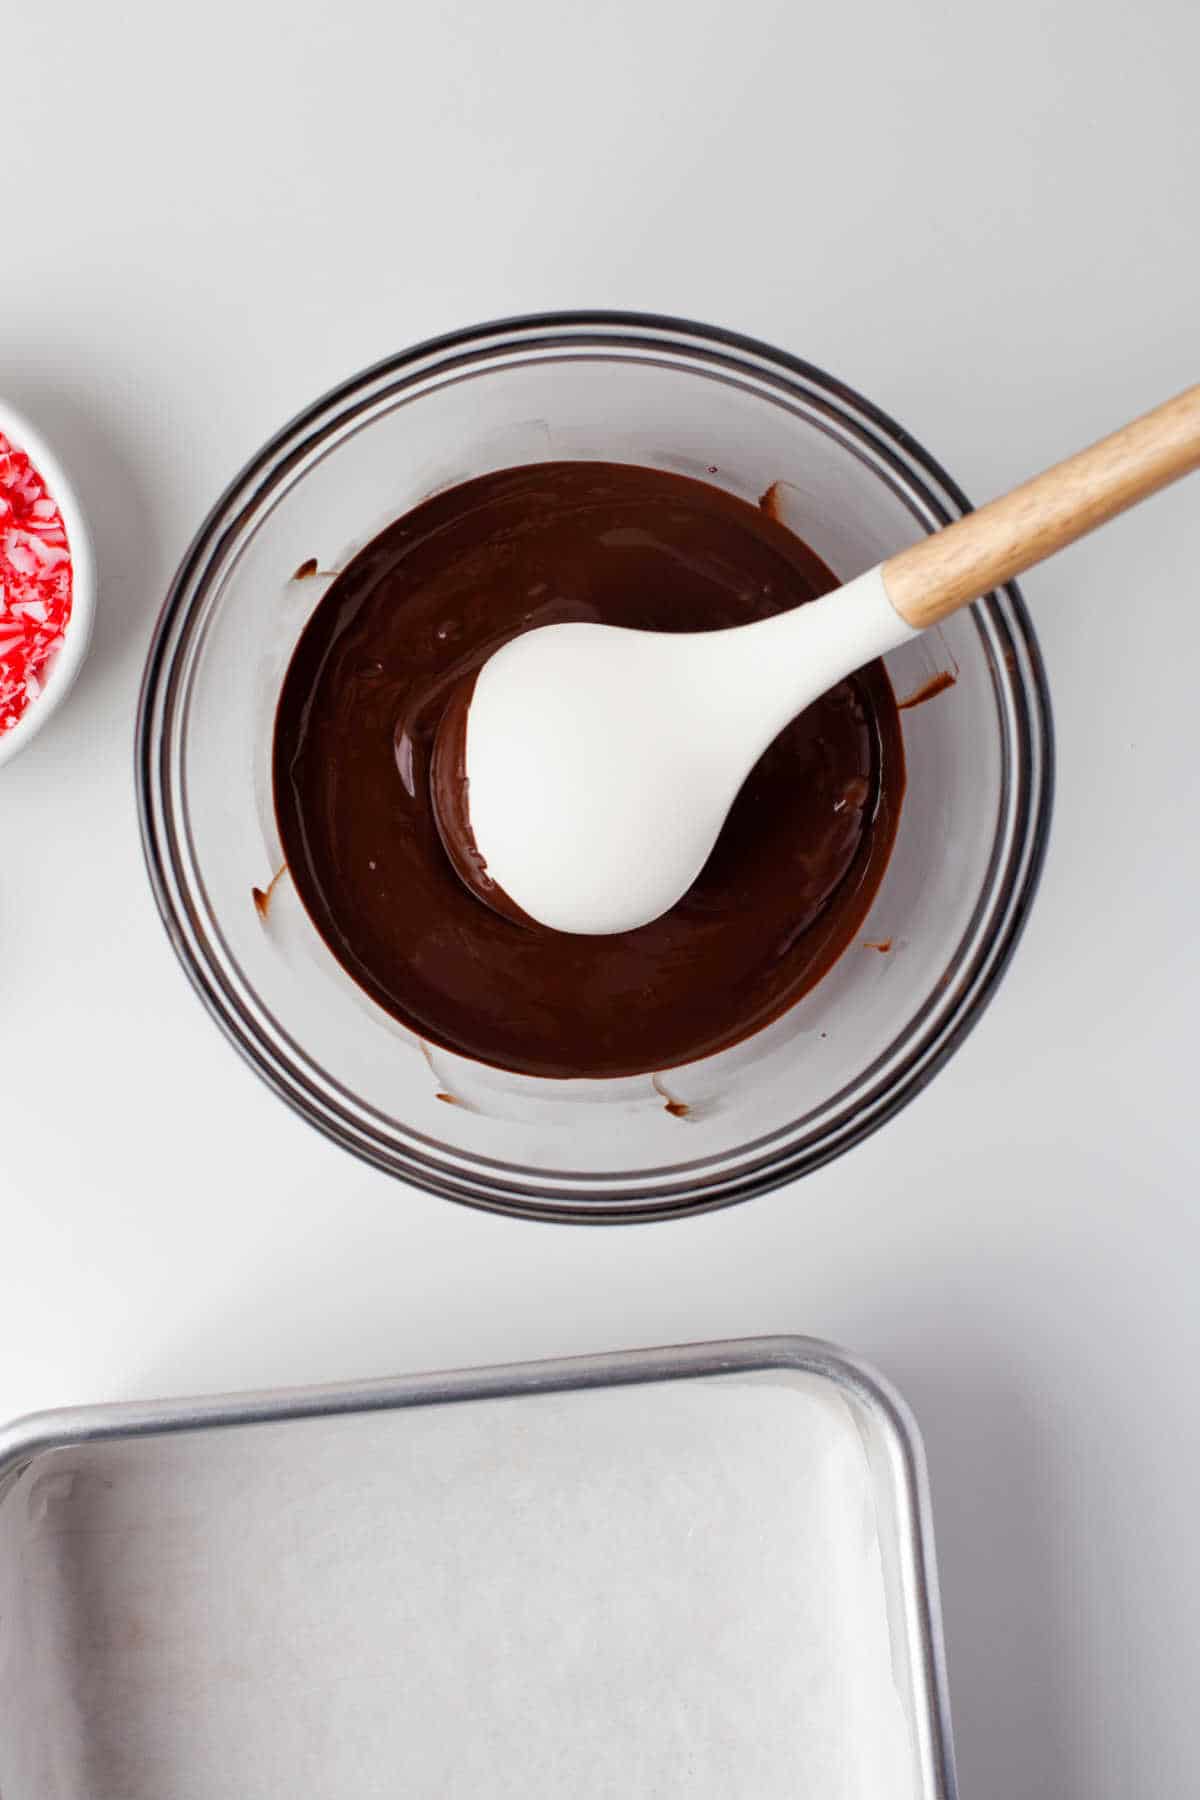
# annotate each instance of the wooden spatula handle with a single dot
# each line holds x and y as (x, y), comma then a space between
(990, 546)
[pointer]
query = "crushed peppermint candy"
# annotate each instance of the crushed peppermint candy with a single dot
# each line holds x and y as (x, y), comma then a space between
(35, 583)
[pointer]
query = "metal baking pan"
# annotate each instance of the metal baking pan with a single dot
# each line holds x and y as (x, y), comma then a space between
(696, 1571)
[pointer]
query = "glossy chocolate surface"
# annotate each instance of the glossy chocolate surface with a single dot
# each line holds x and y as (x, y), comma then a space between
(418, 610)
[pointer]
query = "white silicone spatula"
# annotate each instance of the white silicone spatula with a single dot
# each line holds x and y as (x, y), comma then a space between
(600, 763)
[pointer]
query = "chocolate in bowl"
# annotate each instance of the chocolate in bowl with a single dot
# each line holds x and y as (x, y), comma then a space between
(790, 879)
(831, 1068)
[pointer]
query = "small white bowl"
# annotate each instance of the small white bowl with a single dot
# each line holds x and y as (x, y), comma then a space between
(66, 665)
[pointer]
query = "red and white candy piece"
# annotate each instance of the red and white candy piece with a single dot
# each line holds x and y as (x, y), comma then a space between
(35, 582)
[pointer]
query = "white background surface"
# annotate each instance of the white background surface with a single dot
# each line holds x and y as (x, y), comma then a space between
(983, 218)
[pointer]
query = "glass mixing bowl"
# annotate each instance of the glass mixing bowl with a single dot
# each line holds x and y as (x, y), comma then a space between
(616, 387)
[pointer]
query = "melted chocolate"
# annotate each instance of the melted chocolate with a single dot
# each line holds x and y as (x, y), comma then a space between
(791, 877)
(929, 690)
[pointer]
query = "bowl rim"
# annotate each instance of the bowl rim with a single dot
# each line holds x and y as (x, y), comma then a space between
(487, 1182)
(25, 436)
